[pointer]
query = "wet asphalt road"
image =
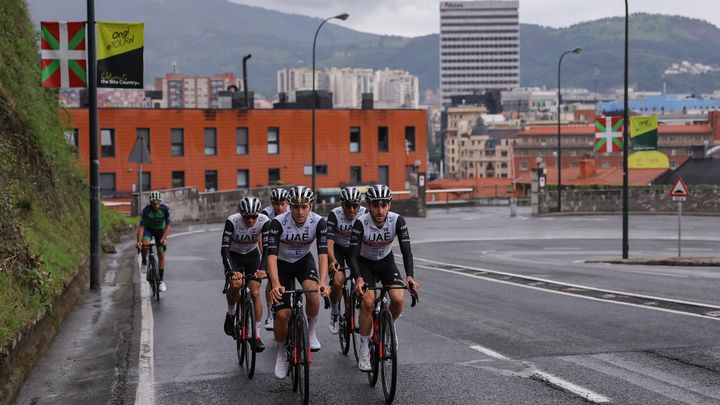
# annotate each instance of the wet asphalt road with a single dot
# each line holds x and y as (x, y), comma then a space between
(470, 340)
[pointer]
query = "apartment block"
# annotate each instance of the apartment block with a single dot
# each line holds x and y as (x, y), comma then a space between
(479, 46)
(185, 91)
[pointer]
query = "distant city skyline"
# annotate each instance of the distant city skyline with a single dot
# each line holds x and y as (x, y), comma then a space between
(413, 18)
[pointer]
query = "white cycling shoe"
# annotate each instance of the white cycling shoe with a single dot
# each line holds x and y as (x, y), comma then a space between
(334, 324)
(162, 287)
(364, 362)
(269, 323)
(314, 342)
(281, 365)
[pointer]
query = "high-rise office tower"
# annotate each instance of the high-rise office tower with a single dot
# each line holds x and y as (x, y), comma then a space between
(479, 46)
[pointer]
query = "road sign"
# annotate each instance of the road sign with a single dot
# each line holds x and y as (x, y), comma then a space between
(681, 199)
(140, 153)
(679, 189)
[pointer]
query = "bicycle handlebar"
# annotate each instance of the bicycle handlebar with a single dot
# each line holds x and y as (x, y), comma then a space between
(413, 294)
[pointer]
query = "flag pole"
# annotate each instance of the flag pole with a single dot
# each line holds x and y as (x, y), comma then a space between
(94, 160)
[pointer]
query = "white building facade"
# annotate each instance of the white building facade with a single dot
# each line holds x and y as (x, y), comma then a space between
(479, 46)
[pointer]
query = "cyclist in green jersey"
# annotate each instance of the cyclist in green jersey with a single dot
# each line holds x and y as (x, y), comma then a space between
(154, 223)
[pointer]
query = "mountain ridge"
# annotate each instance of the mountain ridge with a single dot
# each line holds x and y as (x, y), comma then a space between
(213, 37)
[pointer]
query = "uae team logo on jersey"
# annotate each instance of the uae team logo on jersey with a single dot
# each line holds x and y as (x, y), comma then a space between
(62, 53)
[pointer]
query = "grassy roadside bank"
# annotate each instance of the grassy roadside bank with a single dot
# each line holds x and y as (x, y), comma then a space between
(44, 197)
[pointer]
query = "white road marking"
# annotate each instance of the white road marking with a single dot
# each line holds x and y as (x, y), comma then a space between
(567, 386)
(652, 272)
(489, 352)
(550, 379)
(145, 394)
(562, 248)
(580, 296)
(584, 287)
(175, 235)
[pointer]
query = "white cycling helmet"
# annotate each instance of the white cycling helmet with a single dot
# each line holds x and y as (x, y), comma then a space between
(249, 205)
(350, 194)
(155, 197)
(300, 195)
(279, 195)
(378, 192)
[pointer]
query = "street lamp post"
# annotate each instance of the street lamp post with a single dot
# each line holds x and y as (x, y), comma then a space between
(626, 124)
(559, 160)
(343, 16)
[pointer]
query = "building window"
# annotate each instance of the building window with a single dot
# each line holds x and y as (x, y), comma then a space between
(178, 179)
(273, 137)
(410, 139)
(573, 164)
(107, 142)
(243, 178)
(71, 136)
(273, 177)
(241, 141)
(384, 175)
(177, 142)
(383, 139)
(320, 170)
(210, 141)
(146, 181)
(523, 166)
(211, 180)
(355, 174)
(673, 164)
(107, 185)
(145, 134)
(605, 165)
(354, 139)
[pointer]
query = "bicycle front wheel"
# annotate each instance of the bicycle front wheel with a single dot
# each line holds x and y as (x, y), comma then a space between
(388, 356)
(375, 353)
(155, 277)
(303, 359)
(249, 337)
(238, 325)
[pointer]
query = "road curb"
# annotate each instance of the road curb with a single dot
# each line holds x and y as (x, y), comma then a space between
(19, 357)
(668, 261)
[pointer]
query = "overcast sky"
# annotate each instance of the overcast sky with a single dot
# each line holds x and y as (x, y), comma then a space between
(420, 17)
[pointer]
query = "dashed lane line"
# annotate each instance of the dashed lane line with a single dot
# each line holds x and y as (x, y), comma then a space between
(550, 379)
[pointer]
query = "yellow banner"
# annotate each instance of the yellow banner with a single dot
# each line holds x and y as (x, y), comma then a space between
(648, 160)
(115, 38)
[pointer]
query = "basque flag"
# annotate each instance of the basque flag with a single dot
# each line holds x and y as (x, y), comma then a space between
(608, 137)
(63, 54)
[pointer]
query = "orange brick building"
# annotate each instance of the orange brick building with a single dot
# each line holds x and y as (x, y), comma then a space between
(229, 149)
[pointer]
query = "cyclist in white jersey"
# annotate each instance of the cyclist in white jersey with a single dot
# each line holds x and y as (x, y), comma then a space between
(371, 258)
(290, 238)
(339, 229)
(240, 251)
(278, 205)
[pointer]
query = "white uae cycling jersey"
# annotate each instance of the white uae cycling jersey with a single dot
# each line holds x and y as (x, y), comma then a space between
(377, 242)
(245, 240)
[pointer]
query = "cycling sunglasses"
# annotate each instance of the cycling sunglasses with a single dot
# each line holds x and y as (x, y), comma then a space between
(351, 205)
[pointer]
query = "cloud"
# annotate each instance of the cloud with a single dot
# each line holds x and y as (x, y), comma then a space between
(420, 17)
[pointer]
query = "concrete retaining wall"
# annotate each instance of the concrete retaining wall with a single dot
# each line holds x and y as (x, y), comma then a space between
(651, 200)
(187, 205)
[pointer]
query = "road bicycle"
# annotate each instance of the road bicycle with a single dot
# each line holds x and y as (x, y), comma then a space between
(383, 343)
(152, 273)
(244, 330)
(297, 348)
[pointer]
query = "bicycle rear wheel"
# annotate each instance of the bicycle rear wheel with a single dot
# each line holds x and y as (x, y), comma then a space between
(249, 337)
(344, 334)
(354, 323)
(388, 356)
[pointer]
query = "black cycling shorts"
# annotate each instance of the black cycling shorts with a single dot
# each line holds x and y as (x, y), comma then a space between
(384, 270)
(301, 270)
(249, 263)
(341, 255)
